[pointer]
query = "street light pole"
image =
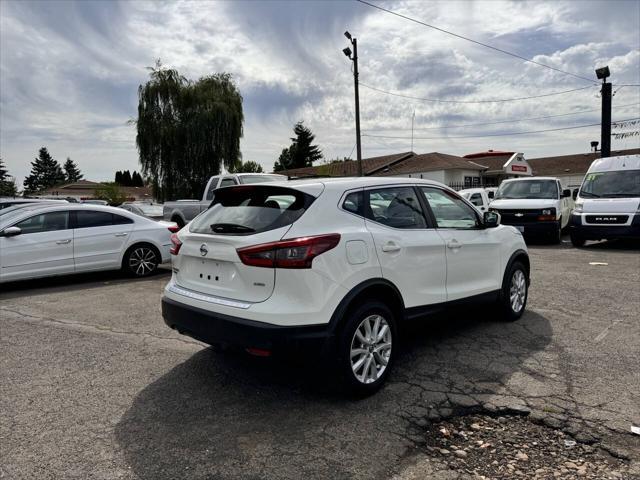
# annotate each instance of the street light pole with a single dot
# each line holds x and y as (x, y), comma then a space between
(605, 127)
(354, 59)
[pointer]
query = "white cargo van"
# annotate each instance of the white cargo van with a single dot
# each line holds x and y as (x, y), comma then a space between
(608, 203)
(536, 206)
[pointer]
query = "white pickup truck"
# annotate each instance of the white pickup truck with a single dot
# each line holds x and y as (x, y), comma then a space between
(536, 206)
(183, 211)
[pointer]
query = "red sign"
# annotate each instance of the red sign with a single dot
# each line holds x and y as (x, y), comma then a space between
(518, 168)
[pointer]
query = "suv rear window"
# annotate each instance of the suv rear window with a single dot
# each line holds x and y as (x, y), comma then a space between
(244, 210)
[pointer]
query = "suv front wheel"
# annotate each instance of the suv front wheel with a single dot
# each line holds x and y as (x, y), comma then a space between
(515, 290)
(367, 347)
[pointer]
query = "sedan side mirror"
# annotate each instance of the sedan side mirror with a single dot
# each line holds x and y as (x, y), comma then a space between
(491, 219)
(566, 193)
(11, 232)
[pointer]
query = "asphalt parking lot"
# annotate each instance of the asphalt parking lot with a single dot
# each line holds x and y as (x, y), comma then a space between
(93, 384)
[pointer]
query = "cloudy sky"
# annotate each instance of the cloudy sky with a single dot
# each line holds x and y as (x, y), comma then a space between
(69, 73)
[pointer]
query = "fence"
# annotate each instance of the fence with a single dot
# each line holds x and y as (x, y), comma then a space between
(462, 185)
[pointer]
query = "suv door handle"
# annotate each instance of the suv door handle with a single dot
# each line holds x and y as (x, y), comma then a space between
(454, 244)
(390, 247)
(63, 242)
(121, 234)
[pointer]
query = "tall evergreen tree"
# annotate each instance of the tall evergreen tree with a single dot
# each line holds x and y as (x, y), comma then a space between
(187, 130)
(118, 178)
(4, 174)
(45, 172)
(301, 153)
(126, 178)
(7, 183)
(72, 172)
(136, 179)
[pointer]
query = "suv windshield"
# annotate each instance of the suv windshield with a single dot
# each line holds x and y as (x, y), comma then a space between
(618, 184)
(523, 189)
(244, 210)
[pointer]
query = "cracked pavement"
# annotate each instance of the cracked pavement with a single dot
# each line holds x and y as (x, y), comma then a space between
(94, 385)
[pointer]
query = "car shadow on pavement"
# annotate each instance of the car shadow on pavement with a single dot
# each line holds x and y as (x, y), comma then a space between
(228, 415)
(67, 283)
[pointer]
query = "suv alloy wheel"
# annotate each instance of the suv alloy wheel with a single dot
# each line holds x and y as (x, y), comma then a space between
(367, 347)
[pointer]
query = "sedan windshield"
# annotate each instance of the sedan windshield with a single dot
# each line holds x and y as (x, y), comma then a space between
(525, 189)
(618, 184)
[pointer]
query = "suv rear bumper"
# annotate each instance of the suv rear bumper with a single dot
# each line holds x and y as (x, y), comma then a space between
(603, 232)
(217, 328)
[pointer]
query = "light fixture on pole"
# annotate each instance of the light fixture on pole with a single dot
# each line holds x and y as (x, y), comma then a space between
(353, 56)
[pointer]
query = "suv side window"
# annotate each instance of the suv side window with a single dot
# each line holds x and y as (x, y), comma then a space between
(449, 210)
(396, 207)
(354, 203)
(476, 199)
(228, 182)
(45, 222)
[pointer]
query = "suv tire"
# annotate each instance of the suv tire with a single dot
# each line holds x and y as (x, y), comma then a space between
(366, 347)
(515, 291)
(577, 241)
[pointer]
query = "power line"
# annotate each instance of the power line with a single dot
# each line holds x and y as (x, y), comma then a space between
(495, 134)
(514, 120)
(395, 94)
(476, 41)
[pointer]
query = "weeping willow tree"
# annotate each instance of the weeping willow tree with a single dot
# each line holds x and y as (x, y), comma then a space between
(186, 130)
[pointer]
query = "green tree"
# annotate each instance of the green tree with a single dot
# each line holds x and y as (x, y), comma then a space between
(111, 193)
(72, 172)
(126, 179)
(302, 152)
(284, 161)
(186, 130)
(136, 180)
(248, 167)
(8, 186)
(118, 178)
(45, 172)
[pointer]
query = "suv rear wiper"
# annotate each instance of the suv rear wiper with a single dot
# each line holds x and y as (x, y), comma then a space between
(230, 228)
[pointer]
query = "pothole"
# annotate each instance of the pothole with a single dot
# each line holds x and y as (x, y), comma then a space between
(512, 446)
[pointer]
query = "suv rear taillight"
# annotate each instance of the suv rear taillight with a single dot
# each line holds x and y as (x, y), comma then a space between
(175, 244)
(174, 228)
(293, 253)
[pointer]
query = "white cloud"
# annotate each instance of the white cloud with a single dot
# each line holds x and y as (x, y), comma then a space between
(69, 72)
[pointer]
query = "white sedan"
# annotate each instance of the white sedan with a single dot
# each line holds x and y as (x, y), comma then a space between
(43, 241)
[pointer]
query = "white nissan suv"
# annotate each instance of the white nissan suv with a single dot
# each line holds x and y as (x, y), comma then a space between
(340, 263)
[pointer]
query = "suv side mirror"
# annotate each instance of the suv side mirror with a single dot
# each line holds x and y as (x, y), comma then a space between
(11, 232)
(575, 193)
(566, 193)
(490, 194)
(491, 219)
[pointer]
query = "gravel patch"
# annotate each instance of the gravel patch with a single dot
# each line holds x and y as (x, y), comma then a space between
(508, 447)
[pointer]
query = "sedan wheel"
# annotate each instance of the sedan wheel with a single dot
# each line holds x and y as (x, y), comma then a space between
(370, 349)
(142, 261)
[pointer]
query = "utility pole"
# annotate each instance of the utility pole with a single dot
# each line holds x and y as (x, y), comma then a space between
(413, 117)
(354, 59)
(605, 127)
